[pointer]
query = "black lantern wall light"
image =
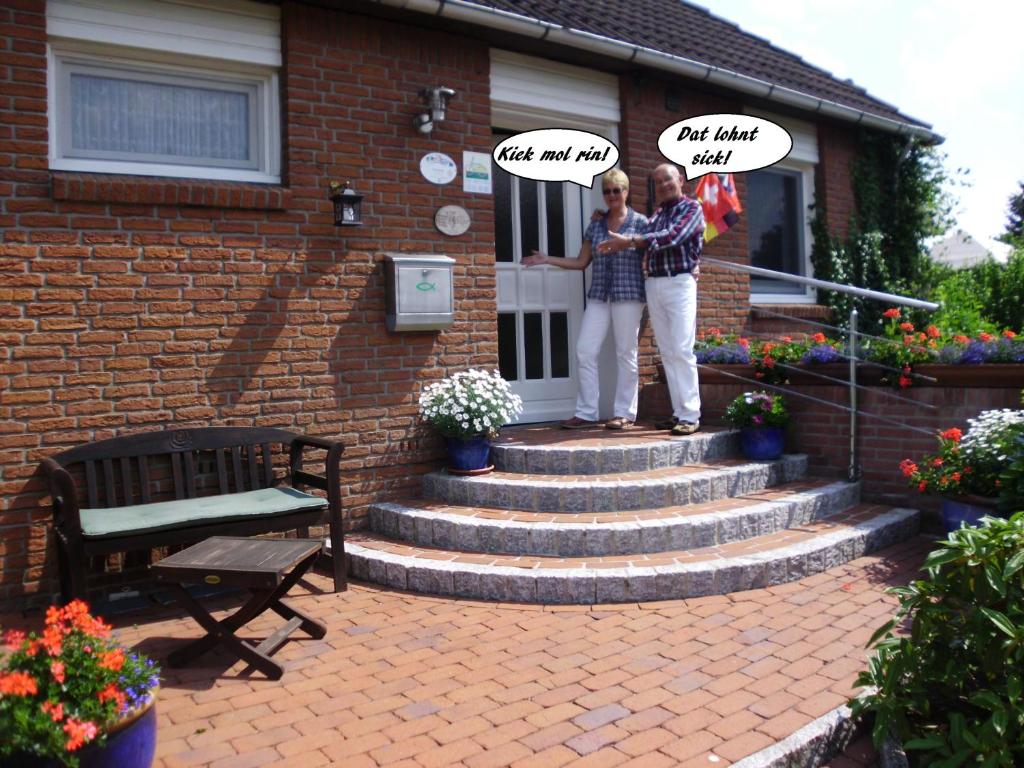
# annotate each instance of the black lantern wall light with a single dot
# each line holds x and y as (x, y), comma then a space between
(348, 205)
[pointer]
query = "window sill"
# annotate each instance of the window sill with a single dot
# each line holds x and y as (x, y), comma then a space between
(801, 311)
(135, 190)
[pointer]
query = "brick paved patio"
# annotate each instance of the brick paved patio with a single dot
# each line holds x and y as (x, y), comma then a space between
(407, 680)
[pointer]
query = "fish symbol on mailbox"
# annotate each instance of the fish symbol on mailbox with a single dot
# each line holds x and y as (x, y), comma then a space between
(425, 286)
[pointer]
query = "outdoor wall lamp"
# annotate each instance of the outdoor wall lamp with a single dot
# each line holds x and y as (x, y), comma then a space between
(436, 101)
(348, 206)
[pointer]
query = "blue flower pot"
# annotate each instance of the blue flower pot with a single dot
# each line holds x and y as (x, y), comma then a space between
(762, 443)
(470, 455)
(131, 743)
(966, 510)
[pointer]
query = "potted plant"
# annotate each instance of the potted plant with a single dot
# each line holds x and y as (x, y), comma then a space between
(761, 418)
(74, 696)
(950, 685)
(468, 409)
(966, 469)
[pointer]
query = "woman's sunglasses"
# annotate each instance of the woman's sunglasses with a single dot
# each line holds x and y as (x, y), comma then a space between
(612, 190)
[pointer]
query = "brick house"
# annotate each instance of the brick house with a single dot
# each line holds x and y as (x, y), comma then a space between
(193, 274)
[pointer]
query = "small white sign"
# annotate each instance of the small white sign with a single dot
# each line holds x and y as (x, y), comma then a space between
(452, 220)
(438, 168)
(476, 172)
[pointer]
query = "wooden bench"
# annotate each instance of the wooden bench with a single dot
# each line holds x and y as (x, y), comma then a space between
(178, 486)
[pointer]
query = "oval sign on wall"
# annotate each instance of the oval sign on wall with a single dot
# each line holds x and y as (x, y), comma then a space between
(452, 220)
(438, 168)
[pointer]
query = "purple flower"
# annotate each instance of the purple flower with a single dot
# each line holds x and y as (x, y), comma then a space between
(821, 353)
(758, 419)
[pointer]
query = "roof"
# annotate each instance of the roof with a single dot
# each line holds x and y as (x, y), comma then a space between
(679, 29)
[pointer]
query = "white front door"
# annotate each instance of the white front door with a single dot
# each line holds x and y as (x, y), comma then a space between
(539, 308)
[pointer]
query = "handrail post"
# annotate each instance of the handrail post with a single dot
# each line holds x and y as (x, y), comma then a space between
(853, 473)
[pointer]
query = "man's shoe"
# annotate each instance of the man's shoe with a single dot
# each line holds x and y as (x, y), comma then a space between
(577, 423)
(619, 422)
(685, 428)
(666, 424)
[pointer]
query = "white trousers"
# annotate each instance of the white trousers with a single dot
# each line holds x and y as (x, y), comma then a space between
(624, 319)
(672, 306)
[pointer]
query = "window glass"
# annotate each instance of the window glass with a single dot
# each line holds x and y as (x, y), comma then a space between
(559, 345)
(529, 219)
(555, 218)
(774, 208)
(503, 242)
(533, 344)
(508, 364)
(158, 121)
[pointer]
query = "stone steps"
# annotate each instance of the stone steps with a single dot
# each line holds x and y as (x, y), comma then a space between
(596, 451)
(473, 529)
(646, 489)
(593, 516)
(760, 561)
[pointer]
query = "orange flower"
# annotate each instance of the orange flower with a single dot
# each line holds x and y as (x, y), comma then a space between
(1009, 334)
(112, 660)
(891, 313)
(985, 336)
(57, 670)
(908, 467)
(922, 486)
(745, 343)
(17, 684)
(13, 638)
(933, 332)
(961, 339)
(79, 733)
(768, 361)
(937, 461)
(956, 476)
(111, 693)
(715, 331)
(908, 340)
(905, 382)
(953, 434)
(921, 336)
(52, 640)
(787, 339)
(907, 327)
(55, 711)
(818, 338)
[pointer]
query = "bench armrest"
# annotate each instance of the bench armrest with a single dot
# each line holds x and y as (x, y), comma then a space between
(66, 516)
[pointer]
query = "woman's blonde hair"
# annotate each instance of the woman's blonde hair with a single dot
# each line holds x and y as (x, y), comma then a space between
(616, 176)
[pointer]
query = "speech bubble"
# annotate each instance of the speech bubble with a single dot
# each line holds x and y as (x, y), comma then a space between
(724, 143)
(556, 154)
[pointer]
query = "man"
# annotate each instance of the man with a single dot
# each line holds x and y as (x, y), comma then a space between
(673, 242)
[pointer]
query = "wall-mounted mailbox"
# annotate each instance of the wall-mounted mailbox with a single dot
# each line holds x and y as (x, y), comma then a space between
(420, 292)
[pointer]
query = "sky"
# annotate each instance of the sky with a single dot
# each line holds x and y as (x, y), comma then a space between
(957, 65)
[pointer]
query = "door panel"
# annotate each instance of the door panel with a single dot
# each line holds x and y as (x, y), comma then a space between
(539, 308)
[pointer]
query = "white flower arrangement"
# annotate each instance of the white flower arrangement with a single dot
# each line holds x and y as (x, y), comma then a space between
(989, 438)
(470, 403)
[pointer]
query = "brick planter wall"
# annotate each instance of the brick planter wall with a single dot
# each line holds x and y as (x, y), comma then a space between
(823, 433)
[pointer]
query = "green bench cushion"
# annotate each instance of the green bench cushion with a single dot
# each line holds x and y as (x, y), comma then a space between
(165, 515)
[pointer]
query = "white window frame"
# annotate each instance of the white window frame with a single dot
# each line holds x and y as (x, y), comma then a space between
(260, 81)
(807, 295)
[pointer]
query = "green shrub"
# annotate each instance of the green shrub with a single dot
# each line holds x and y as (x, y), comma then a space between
(952, 690)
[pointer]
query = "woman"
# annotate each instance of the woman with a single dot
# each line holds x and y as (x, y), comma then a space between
(616, 299)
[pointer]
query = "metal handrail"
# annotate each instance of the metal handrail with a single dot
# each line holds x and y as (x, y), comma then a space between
(853, 472)
(864, 293)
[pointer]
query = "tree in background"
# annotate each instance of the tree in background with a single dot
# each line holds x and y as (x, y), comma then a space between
(1014, 234)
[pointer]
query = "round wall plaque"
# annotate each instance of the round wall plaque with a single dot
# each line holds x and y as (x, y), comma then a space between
(452, 220)
(438, 168)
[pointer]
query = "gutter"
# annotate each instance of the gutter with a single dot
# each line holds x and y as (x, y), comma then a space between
(506, 21)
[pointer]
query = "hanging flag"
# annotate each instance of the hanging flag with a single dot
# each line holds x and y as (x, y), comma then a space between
(721, 204)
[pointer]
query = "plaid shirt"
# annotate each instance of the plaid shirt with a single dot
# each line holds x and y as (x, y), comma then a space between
(675, 238)
(616, 276)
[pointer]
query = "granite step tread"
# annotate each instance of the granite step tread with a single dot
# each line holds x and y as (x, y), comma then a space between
(648, 489)
(775, 558)
(565, 534)
(549, 450)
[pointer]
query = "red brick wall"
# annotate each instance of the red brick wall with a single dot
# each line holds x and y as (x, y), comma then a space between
(837, 145)
(129, 303)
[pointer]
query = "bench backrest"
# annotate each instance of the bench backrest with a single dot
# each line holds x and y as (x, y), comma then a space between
(174, 464)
